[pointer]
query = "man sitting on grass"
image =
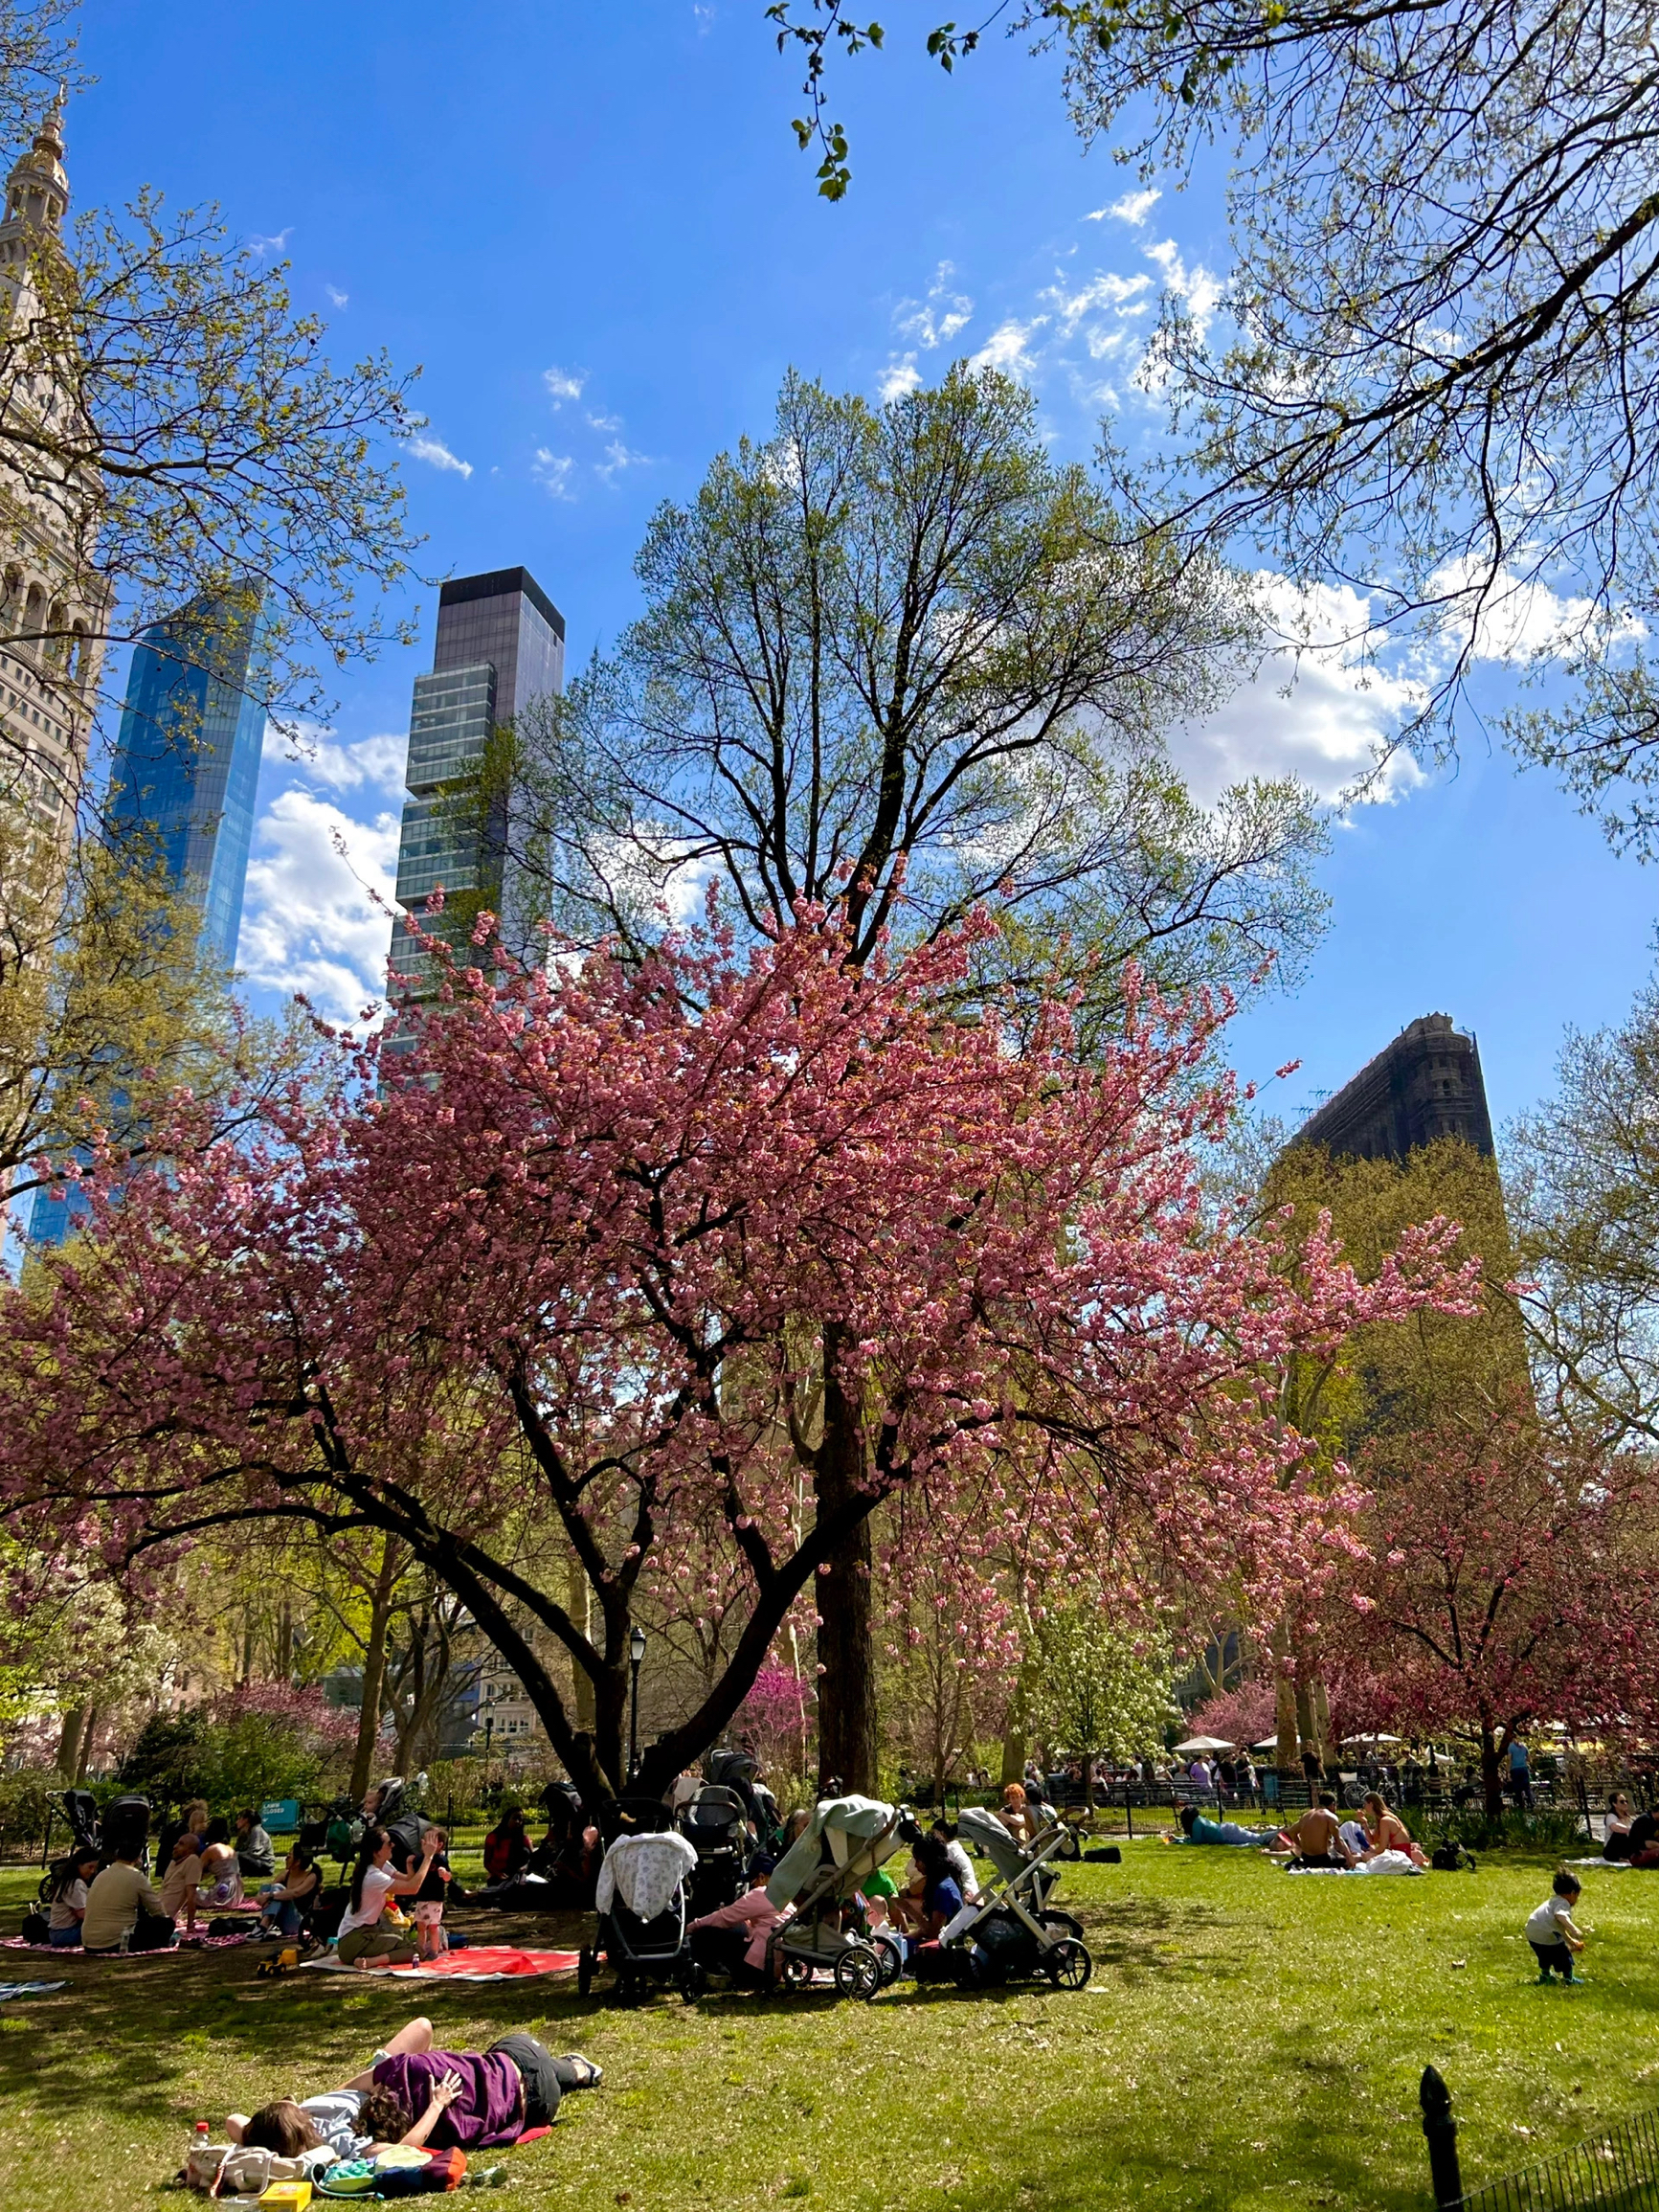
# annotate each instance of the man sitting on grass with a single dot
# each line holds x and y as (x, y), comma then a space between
(1317, 1837)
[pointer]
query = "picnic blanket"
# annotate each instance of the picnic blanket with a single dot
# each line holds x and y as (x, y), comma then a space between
(478, 1962)
(1385, 1863)
(1597, 1860)
(8, 1989)
(197, 1942)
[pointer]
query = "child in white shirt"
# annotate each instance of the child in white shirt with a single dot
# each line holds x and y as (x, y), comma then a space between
(1551, 1929)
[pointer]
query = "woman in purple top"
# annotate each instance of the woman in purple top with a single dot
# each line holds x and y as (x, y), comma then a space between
(516, 2084)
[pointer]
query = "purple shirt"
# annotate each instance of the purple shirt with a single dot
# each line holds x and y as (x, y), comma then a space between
(488, 2110)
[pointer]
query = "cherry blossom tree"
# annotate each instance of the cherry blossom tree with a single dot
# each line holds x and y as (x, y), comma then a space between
(638, 1252)
(1511, 1579)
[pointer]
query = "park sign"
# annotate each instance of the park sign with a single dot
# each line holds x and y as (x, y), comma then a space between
(279, 1815)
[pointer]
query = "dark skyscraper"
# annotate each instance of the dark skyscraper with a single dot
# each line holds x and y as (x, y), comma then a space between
(501, 644)
(1427, 1084)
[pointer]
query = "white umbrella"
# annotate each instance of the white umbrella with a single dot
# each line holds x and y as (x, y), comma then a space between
(1374, 1739)
(1204, 1743)
(1266, 1743)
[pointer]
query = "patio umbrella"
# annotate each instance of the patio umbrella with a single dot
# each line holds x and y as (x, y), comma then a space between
(1204, 1744)
(1374, 1739)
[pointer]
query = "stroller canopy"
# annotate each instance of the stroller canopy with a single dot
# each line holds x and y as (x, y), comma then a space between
(981, 1827)
(847, 1823)
(644, 1871)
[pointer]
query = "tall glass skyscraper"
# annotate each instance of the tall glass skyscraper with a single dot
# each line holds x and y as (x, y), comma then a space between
(501, 644)
(187, 763)
(182, 782)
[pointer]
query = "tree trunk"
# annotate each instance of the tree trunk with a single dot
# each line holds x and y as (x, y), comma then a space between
(1307, 1728)
(579, 1605)
(69, 1742)
(285, 1641)
(83, 1749)
(1286, 1756)
(847, 1742)
(373, 1669)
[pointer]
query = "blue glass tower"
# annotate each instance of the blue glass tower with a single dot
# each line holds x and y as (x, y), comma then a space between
(186, 765)
(184, 780)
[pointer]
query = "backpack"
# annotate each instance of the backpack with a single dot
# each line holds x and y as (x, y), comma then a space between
(1450, 1857)
(36, 1928)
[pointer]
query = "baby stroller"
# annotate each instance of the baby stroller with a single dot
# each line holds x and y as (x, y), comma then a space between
(738, 1771)
(1014, 1929)
(642, 1909)
(854, 1836)
(713, 1824)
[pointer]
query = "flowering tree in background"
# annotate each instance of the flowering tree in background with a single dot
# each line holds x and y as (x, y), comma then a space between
(639, 1252)
(1244, 1716)
(1511, 1580)
(775, 1720)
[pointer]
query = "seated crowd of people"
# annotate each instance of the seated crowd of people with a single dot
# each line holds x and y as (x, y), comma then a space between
(204, 1867)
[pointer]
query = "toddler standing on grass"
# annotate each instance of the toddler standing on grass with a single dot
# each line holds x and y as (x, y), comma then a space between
(429, 1897)
(1551, 1929)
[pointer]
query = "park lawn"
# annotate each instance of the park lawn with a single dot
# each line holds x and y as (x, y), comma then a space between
(1251, 2040)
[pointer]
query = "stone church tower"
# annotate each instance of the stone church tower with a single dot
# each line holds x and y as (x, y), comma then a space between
(52, 599)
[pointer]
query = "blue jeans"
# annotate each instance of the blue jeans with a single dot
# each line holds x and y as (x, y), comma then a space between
(286, 1916)
(65, 1938)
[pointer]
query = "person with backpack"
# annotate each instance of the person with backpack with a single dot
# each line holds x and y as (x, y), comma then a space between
(66, 1906)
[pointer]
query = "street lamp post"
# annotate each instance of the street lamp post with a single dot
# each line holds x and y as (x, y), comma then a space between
(636, 1654)
(488, 1732)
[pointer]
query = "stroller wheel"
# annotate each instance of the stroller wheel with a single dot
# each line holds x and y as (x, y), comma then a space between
(858, 1972)
(1068, 1965)
(798, 1973)
(890, 1956)
(584, 1971)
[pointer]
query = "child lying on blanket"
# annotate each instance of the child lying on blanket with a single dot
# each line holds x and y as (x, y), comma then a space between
(469, 2100)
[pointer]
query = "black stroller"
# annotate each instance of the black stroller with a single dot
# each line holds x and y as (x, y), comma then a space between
(738, 1771)
(644, 1911)
(713, 1825)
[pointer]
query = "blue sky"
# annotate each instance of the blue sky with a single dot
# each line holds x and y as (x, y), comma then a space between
(590, 225)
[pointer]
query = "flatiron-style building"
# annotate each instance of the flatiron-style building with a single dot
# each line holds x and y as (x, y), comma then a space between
(1427, 1084)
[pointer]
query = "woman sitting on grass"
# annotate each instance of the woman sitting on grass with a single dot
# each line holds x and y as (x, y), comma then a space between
(363, 1941)
(1386, 1831)
(282, 1903)
(67, 1907)
(221, 1877)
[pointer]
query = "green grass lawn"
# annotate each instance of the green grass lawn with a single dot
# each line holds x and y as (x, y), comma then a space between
(1249, 2039)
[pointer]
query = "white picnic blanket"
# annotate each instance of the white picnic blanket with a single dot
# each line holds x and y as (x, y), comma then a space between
(644, 1871)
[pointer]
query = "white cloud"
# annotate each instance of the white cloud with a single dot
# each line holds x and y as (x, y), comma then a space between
(1133, 207)
(1106, 293)
(322, 756)
(434, 452)
(1198, 290)
(310, 923)
(564, 383)
(1521, 619)
(337, 297)
(552, 472)
(900, 376)
(262, 249)
(704, 17)
(1008, 347)
(618, 457)
(938, 318)
(604, 423)
(1317, 708)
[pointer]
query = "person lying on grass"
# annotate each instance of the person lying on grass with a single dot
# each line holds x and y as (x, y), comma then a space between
(466, 2100)
(1198, 1827)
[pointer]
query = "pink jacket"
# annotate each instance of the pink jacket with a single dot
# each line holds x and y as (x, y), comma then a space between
(752, 1908)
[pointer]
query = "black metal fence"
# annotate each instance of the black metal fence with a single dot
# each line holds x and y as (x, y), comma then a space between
(1617, 2172)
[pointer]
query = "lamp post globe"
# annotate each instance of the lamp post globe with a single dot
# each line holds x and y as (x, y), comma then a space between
(636, 1656)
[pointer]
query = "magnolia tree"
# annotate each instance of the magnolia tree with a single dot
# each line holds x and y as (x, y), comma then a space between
(698, 1259)
(1513, 1577)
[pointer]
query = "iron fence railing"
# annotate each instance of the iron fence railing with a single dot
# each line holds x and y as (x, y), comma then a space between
(1617, 2172)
